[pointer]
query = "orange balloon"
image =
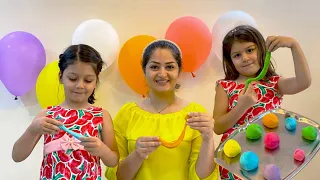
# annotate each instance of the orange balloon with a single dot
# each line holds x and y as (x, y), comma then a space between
(194, 39)
(129, 63)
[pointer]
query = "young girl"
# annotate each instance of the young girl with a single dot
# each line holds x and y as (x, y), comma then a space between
(244, 51)
(64, 156)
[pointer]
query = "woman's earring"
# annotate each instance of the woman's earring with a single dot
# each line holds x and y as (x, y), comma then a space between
(177, 86)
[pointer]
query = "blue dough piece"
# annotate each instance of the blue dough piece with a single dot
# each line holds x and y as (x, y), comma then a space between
(291, 123)
(249, 161)
(74, 134)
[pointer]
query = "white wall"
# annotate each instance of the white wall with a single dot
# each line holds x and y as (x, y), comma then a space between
(53, 22)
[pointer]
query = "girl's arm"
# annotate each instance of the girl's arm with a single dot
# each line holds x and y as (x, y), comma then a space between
(225, 120)
(110, 156)
(302, 80)
(23, 147)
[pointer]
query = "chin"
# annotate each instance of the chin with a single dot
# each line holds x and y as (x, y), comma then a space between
(78, 100)
(163, 89)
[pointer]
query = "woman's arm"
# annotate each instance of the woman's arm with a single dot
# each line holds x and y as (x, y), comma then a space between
(129, 167)
(205, 163)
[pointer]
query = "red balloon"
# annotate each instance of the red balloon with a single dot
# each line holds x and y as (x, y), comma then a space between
(194, 39)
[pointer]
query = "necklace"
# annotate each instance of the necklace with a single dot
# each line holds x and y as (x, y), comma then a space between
(159, 111)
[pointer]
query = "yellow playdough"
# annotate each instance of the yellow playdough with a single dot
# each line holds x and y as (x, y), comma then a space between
(270, 120)
(232, 148)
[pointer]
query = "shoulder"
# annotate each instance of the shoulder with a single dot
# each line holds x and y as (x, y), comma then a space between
(127, 107)
(196, 107)
(274, 79)
(124, 113)
(225, 84)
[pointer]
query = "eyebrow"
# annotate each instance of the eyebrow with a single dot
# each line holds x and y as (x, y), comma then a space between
(72, 73)
(246, 48)
(172, 62)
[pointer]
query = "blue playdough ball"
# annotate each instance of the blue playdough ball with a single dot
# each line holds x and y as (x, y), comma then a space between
(249, 161)
(291, 123)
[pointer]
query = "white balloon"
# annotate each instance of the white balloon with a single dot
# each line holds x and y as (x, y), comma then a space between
(225, 24)
(101, 36)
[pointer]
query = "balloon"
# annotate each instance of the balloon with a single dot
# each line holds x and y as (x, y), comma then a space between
(129, 62)
(99, 35)
(194, 39)
(226, 23)
(22, 57)
(49, 90)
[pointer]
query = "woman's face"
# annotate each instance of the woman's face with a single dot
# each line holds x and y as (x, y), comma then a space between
(162, 71)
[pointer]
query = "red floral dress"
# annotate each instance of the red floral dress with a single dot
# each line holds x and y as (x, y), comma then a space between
(268, 98)
(73, 164)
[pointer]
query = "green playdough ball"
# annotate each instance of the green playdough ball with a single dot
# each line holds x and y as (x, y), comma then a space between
(254, 131)
(309, 133)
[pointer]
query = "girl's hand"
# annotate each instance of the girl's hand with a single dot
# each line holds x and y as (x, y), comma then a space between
(203, 123)
(146, 145)
(247, 98)
(275, 42)
(45, 125)
(93, 145)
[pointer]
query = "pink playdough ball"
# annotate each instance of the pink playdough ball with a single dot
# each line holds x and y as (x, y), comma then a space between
(272, 140)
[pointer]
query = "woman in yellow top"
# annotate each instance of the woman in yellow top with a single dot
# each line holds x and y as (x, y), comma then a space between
(139, 127)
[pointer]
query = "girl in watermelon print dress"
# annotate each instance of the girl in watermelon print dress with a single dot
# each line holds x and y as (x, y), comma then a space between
(244, 50)
(65, 157)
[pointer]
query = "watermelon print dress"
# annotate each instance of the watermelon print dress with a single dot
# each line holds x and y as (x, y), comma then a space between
(268, 98)
(64, 157)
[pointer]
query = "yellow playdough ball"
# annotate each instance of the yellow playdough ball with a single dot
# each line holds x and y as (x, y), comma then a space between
(232, 148)
(270, 120)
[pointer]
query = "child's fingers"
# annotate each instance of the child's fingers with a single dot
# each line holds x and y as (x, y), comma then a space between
(269, 40)
(50, 126)
(53, 121)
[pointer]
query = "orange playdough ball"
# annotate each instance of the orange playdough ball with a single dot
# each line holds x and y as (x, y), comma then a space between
(270, 120)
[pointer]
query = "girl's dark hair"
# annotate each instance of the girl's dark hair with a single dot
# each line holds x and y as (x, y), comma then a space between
(161, 44)
(83, 53)
(244, 33)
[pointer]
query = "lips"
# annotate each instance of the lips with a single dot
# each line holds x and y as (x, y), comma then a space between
(78, 92)
(162, 81)
(247, 65)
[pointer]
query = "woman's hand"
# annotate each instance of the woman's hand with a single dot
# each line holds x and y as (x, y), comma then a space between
(203, 123)
(146, 145)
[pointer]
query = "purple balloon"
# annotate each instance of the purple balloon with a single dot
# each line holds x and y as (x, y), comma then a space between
(22, 57)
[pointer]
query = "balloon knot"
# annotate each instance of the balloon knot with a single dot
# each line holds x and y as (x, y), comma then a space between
(16, 98)
(193, 75)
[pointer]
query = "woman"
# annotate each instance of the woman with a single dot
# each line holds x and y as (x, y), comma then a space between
(139, 126)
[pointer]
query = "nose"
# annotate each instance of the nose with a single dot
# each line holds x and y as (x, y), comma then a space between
(80, 84)
(162, 72)
(245, 57)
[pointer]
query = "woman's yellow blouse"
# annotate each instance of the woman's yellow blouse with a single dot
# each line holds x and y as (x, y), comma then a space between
(178, 163)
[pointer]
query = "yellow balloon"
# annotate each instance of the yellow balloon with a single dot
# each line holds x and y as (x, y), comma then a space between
(49, 90)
